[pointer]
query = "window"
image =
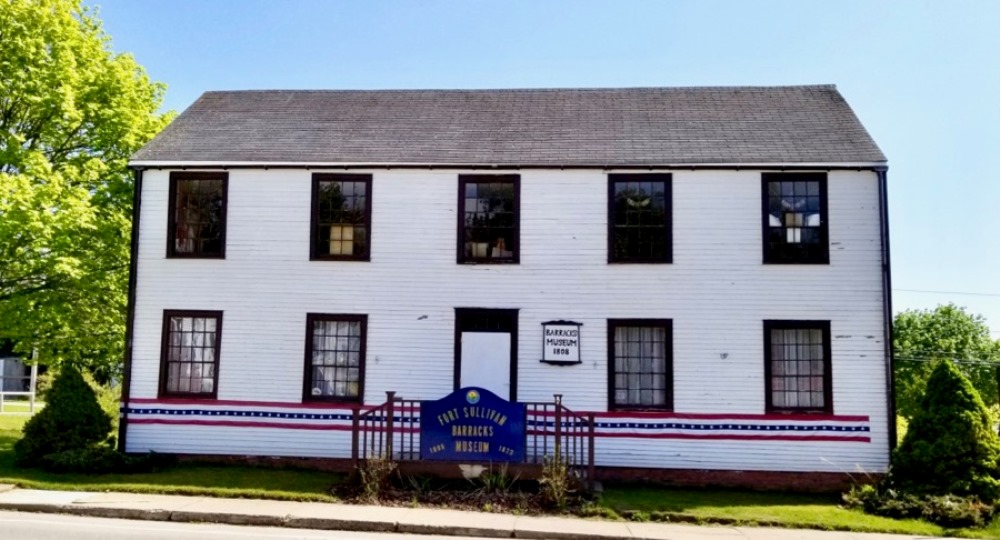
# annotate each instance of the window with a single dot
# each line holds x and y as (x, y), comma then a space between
(795, 221)
(640, 359)
(189, 361)
(639, 218)
(197, 222)
(341, 216)
(335, 357)
(488, 222)
(797, 366)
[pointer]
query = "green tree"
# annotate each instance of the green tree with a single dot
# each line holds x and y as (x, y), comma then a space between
(71, 113)
(922, 338)
(950, 446)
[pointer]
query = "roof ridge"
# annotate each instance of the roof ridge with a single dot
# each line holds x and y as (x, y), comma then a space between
(519, 90)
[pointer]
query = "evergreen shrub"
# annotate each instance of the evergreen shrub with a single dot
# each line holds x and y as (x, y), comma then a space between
(950, 446)
(945, 471)
(72, 419)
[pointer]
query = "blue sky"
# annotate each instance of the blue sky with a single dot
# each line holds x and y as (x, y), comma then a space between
(924, 77)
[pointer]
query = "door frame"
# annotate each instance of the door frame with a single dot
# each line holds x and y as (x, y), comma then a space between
(463, 324)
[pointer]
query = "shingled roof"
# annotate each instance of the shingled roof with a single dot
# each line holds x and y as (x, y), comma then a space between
(557, 127)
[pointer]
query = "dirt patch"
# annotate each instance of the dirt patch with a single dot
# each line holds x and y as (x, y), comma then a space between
(506, 496)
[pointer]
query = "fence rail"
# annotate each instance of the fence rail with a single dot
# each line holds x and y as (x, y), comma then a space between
(28, 382)
(392, 430)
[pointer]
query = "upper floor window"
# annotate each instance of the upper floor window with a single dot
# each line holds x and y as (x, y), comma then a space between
(341, 216)
(797, 366)
(640, 362)
(795, 218)
(197, 222)
(488, 222)
(335, 357)
(189, 359)
(639, 218)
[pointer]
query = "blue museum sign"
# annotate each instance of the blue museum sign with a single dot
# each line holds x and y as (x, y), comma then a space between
(472, 424)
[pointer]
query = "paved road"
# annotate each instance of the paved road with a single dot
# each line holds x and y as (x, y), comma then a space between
(28, 526)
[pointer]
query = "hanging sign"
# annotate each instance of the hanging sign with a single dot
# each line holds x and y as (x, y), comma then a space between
(561, 342)
(472, 424)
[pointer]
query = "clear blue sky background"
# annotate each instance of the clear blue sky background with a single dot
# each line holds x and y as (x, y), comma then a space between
(924, 77)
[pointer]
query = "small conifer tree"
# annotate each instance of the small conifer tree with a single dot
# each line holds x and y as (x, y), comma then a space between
(950, 446)
(72, 419)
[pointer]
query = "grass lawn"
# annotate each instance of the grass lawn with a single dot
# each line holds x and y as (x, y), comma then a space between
(761, 508)
(19, 406)
(185, 479)
(618, 501)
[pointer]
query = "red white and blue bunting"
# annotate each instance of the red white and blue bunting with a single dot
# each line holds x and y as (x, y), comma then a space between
(634, 425)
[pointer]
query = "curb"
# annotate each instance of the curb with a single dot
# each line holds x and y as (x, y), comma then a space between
(287, 521)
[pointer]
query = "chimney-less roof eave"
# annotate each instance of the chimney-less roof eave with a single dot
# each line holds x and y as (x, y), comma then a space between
(167, 164)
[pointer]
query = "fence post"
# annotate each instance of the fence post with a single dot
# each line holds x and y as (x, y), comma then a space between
(558, 421)
(590, 450)
(34, 380)
(355, 426)
(390, 413)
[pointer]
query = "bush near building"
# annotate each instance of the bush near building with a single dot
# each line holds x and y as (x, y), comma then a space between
(71, 420)
(946, 469)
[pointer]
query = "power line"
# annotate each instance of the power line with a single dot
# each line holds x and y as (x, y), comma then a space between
(948, 292)
(905, 352)
(964, 361)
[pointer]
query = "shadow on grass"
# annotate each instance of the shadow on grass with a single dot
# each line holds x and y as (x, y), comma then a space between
(181, 479)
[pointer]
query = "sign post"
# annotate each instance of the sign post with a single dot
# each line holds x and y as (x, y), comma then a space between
(472, 424)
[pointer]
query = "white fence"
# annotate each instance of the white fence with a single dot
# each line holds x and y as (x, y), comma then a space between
(14, 383)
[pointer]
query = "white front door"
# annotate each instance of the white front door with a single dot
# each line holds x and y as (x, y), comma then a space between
(486, 361)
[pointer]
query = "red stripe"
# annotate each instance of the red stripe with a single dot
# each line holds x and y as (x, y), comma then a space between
(712, 416)
(275, 404)
(341, 427)
(804, 438)
(231, 403)
(611, 414)
(637, 435)
(277, 425)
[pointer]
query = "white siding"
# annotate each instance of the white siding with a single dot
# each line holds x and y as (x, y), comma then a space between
(717, 292)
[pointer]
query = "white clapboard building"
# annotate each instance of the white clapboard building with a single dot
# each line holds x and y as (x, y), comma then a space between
(706, 269)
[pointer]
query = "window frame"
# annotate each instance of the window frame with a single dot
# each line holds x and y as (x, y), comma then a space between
(311, 318)
(668, 386)
(175, 178)
(314, 217)
(164, 353)
(769, 255)
(463, 180)
(824, 327)
(667, 179)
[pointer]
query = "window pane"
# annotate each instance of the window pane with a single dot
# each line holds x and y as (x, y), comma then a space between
(489, 226)
(640, 366)
(794, 219)
(639, 220)
(198, 216)
(191, 354)
(338, 351)
(341, 220)
(797, 366)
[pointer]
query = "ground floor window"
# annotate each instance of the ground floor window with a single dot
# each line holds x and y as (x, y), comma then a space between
(335, 357)
(640, 362)
(189, 362)
(797, 366)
